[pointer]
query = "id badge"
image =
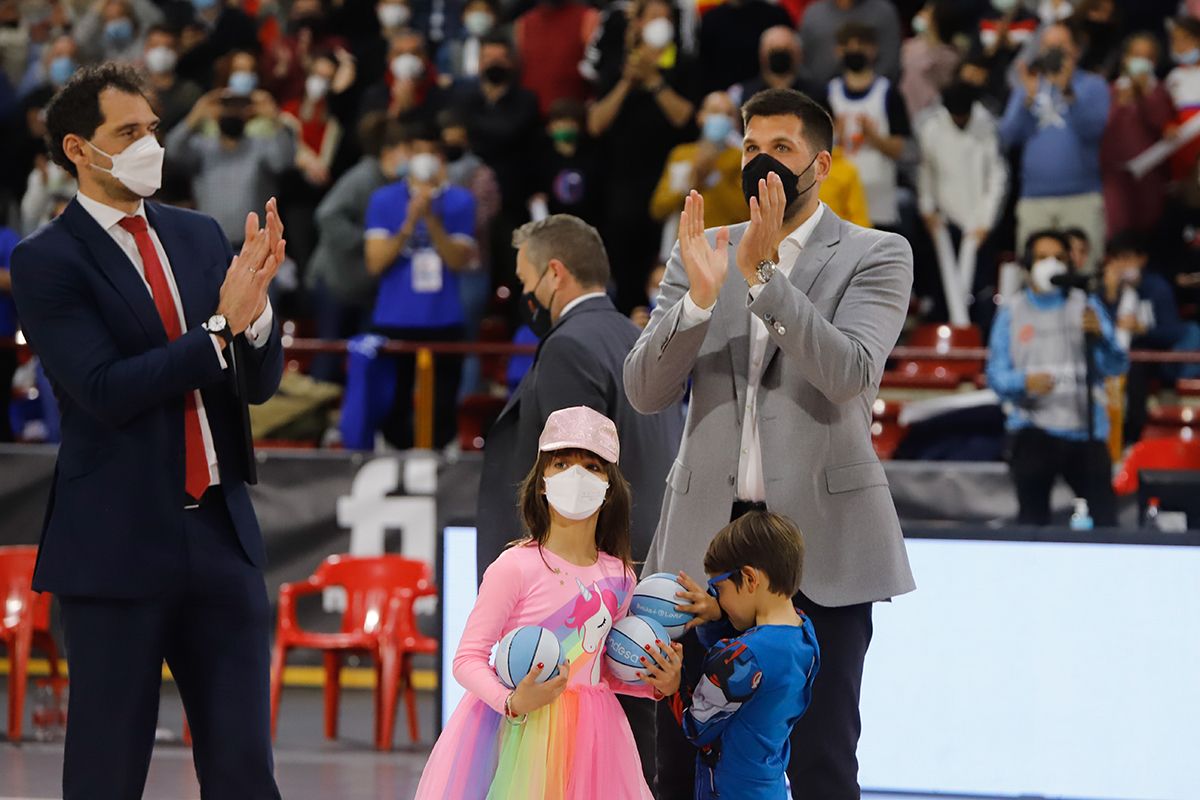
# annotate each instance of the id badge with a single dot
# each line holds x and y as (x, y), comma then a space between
(426, 272)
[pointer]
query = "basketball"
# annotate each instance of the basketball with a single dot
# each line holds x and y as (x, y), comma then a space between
(627, 643)
(654, 598)
(522, 648)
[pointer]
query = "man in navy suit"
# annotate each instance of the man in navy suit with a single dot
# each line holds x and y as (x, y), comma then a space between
(140, 314)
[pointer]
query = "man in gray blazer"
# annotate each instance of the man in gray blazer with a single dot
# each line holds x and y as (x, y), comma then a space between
(563, 267)
(783, 325)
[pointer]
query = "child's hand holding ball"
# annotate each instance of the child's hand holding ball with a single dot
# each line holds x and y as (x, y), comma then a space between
(663, 667)
(699, 602)
(531, 694)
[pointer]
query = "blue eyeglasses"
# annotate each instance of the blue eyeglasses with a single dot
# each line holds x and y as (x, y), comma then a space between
(713, 581)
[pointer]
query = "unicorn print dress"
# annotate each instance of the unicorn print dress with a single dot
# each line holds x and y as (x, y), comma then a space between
(577, 748)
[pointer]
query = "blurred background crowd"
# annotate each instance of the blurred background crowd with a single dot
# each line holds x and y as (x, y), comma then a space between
(965, 125)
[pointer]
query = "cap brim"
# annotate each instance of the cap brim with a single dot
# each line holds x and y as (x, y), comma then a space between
(550, 447)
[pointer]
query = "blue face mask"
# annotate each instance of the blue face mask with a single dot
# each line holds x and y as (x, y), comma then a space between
(61, 70)
(119, 32)
(717, 128)
(203, 5)
(1187, 59)
(243, 83)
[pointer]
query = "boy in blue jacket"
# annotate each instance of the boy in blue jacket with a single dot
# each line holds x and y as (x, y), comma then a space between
(762, 658)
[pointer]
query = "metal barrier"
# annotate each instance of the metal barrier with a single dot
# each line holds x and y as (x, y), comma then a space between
(426, 352)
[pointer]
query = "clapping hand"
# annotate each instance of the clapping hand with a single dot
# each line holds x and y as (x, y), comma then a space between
(700, 603)
(705, 265)
(1091, 322)
(761, 240)
(244, 291)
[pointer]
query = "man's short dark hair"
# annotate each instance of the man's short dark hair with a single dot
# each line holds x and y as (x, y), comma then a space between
(857, 32)
(567, 108)
(763, 540)
(570, 240)
(814, 119)
(1128, 243)
(75, 108)
(501, 38)
(1188, 24)
(1045, 233)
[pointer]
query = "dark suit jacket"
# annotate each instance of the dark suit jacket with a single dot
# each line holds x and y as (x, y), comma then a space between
(114, 525)
(578, 363)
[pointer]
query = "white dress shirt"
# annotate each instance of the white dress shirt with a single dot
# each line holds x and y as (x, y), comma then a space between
(109, 218)
(578, 300)
(751, 483)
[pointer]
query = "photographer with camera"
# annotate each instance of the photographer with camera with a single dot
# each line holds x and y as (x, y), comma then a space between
(1037, 365)
(1057, 113)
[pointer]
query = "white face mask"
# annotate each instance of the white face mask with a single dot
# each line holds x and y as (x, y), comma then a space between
(576, 493)
(406, 67)
(477, 23)
(424, 167)
(138, 167)
(160, 60)
(1042, 271)
(393, 15)
(315, 88)
(658, 33)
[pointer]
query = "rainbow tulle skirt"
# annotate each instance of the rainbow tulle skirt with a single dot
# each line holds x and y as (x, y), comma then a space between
(579, 747)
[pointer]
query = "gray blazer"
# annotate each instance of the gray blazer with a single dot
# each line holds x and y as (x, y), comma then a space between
(831, 328)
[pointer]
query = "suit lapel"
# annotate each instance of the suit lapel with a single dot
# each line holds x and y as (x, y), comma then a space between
(117, 269)
(190, 282)
(810, 264)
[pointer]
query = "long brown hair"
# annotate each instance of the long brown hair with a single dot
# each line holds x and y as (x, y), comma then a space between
(612, 528)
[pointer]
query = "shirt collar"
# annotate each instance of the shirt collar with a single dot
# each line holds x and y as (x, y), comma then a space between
(105, 215)
(579, 300)
(797, 239)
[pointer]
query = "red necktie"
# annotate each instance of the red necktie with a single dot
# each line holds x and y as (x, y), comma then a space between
(197, 478)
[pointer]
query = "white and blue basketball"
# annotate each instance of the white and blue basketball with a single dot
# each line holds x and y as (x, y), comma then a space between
(654, 598)
(626, 646)
(521, 649)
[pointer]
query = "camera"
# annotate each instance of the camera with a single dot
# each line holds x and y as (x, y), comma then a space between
(1048, 63)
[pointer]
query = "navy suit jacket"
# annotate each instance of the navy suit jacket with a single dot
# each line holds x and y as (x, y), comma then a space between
(114, 525)
(579, 363)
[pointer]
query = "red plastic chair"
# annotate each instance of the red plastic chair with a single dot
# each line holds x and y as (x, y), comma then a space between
(378, 622)
(932, 374)
(1188, 387)
(1155, 454)
(24, 625)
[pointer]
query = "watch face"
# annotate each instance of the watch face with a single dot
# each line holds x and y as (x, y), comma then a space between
(216, 323)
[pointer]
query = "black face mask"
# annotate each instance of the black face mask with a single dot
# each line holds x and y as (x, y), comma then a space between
(497, 74)
(231, 127)
(855, 61)
(763, 165)
(454, 152)
(534, 314)
(780, 62)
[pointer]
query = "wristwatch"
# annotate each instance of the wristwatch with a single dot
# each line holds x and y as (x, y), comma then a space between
(219, 326)
(765, 270)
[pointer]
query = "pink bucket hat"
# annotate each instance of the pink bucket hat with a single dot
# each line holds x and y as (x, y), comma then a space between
(582, 428)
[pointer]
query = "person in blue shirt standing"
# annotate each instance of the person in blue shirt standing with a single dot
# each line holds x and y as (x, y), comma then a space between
(1057, 114)
(757, 677)
(420, 232)
(1036, 365)
(8, 329)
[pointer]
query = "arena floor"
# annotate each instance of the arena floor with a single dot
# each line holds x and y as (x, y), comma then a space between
(307, 767)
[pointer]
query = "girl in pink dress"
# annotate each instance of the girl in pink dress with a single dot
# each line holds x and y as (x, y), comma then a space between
(566, 738)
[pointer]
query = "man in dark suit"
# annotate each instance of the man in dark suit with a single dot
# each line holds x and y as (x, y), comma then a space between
(563, 268)
(143, 318)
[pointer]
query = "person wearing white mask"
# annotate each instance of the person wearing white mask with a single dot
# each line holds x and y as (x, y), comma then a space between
(570, 571)
(174, 97)
(154, 531)
(712, 165)
(646, 105)
(459, 57)
(409, 90)
(1036, 365)
(393, 15)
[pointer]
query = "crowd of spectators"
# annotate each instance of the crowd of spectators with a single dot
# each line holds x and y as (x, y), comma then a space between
(407, 139)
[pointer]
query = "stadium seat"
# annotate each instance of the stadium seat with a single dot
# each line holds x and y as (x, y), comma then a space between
(934, 374)
(1155, 454)
(24, 625)
(378, 622)
(1188, 387)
